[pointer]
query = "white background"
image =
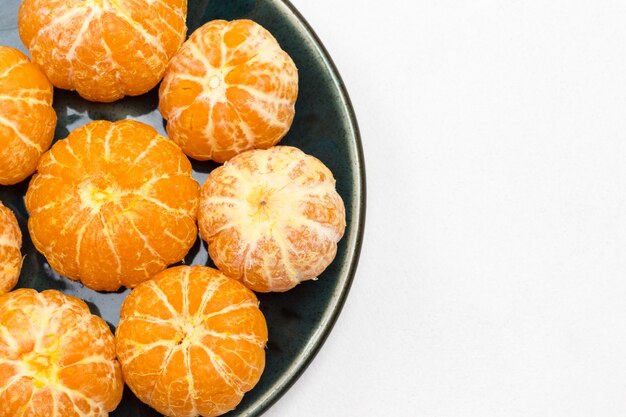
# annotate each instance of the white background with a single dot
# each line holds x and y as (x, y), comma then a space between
(492, 279)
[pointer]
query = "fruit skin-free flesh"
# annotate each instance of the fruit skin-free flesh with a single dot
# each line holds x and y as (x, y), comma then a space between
(10, 255)
(55, 357)
(272, 218)
(228, 89)
(191, 342)
(104, 50)
(113, 204)
(27, 119)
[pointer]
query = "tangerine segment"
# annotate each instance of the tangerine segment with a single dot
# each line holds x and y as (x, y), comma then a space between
(104, 49)
(191, 342)
(272, 218)
(113, 204)
(27, 119)
(10, 255)
(229, 88)
(56, 358)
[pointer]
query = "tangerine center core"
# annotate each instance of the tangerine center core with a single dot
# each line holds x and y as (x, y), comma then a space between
(214, 82)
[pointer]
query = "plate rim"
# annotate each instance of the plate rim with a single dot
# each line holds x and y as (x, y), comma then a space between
(309, 355)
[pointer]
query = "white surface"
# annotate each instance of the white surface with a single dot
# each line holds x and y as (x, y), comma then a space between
(492, 280)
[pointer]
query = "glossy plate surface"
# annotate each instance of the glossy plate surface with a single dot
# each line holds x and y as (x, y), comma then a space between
(324, 126)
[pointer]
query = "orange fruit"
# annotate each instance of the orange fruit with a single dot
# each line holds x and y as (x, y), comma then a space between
(103, 49)
(113, 204)
(27, 119)
(229, 88)
(10, 244)
(272, 218)
(56, 358)
(191, 342)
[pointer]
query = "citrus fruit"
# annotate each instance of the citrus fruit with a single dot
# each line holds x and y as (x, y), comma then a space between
(191, 342)
(56, 358)
(113, 204)
(272, 218)
(103, 49)
(27, 119)
(10, 256)
(229, 88)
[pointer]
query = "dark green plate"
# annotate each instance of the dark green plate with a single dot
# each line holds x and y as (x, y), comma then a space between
(324, 126)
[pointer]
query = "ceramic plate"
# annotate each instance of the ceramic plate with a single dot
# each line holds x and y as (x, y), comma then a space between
(324, 126)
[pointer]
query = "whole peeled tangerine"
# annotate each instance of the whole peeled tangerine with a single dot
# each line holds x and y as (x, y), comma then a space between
(27, 119)
(113, 204)
(10, 255)
(191, 342)
(103, 49)
(272, 218)
(56, 358)
(228, 89)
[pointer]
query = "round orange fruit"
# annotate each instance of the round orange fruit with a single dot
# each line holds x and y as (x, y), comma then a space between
(27, 119)
(10, 255)
(272, 218)
(113, 204)
(191, 342)
(56, 358)
(229, 88)
(103, 49)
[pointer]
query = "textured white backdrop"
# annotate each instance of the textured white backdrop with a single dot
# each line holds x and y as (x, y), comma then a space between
(492, 280)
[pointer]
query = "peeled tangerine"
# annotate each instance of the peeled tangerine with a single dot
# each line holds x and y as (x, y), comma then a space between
(191, 342)
(104, 49)
(27, 119)
(228, 89)
(10, 256)
(272, 218)
(113, 204)
(56, 358)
